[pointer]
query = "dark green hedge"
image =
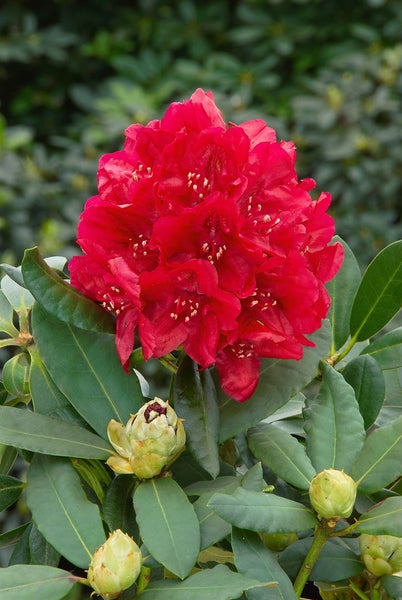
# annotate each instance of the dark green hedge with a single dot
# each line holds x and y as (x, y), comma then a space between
(74, 74)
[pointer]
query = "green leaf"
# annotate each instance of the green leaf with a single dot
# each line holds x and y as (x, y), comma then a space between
(19, 298)
(212, 527)
(338, 560)
(61, 510)
(118, 511)
(25, 582)
(384, 518)
(47, 399)
(10, 490)
(342, 289)
(15, 375)
(8, 454)
(41, 552)
(379, 461)
(282, 453)
(279, 381)
(262, 512)
(11, 537)
(387, 349)
(392, 585)
(219, 583)
(195, 402)
(59, 298)
(367, 380)
(253, 479)
(333, 424)
(168, 524)
(392, 405)
(378, 297)
(254, 560)
(6, 317)
(85, 367)
(39, 433)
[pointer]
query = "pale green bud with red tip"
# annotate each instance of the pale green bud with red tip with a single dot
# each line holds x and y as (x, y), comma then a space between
(333, 494)
(151, 440)
(382, 554)
(115, 566)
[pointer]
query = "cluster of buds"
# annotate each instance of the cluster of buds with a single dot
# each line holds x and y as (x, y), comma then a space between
(151, 440)
(115, 566)
(333, 494)
(382, 554)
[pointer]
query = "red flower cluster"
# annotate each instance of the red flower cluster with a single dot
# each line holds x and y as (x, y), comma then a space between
(202, 236)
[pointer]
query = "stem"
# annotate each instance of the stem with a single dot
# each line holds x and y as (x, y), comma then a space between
(341, 355)
(321, 535)
(345, 531)
(358, 592)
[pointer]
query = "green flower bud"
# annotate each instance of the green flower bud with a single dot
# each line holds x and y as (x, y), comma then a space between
(152, 439)
(115, 565)
(382, 554)
(332, 494)
(278, 541)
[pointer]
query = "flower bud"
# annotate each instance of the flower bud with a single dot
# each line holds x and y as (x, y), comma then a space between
(278, 541)
(115, 565)
(332, 494)
(152, 439)
(382, 554)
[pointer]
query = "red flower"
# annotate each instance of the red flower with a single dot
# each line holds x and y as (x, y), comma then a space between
(203, 237)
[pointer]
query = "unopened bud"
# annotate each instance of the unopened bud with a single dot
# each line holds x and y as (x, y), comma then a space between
(333, 494)
(278, 541)
(150, 441)
(115, 565)
(382, 554)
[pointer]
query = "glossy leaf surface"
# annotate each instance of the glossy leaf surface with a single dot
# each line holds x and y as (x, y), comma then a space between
(384, 519)
(282, 453)
(254, 560)
(219, 583)
(387, 349)
(195, 402)
(61, 510)
(378, 297)
(84, 366)
(25, 582)
(262, 512)
(342, 289)
(59, 298)
(367, 380)
(47, 435)
(379, 461)
(333, 424)
(168, 524)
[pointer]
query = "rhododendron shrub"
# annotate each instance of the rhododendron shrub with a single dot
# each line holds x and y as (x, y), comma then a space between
(202, 237)
(202, 248)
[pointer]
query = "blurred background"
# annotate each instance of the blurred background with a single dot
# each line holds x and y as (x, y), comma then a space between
(74, 75)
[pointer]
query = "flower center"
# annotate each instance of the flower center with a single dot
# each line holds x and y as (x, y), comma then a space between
(259, 299)
(198, 184)
(185, 308)
(262, 222)
(110, 300)
(140, 172)
(213, 250)
(243, 349)
(140, 246)
(153, 411)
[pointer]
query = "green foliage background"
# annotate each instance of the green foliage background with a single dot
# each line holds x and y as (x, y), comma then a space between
(74, 74)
